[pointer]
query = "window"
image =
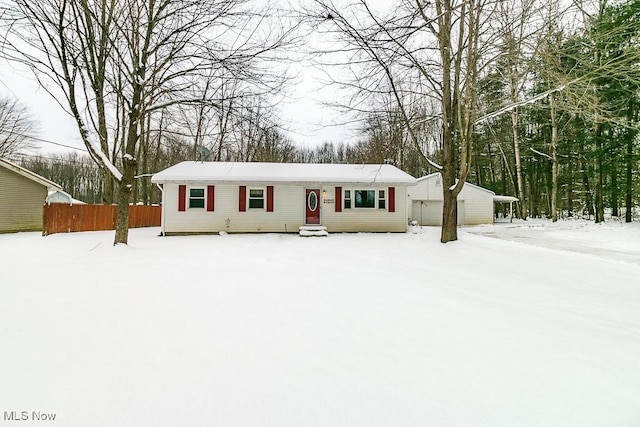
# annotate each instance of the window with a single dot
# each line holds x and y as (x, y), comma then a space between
(365, 198)
(368, 199)
(256, 198)
(196, 198)
(382, 200)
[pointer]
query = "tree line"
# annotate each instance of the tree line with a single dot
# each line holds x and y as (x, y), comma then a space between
(530, 98)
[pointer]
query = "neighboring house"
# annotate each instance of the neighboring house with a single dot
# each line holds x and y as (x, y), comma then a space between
(22, 195)
(475, 204)
(209, 197)
(59, 196)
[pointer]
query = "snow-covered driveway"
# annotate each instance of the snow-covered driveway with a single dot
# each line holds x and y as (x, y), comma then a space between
(612, 240)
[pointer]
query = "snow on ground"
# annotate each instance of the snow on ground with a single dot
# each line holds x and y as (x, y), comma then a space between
(347, 330)
(612, 239)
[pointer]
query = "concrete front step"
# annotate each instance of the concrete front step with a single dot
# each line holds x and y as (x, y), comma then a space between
(313, 231)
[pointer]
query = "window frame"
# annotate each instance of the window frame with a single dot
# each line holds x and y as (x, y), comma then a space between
(382, 198)
(191, 198)
(380, 195)
(346, 199)
(263, 198)
(355, 197)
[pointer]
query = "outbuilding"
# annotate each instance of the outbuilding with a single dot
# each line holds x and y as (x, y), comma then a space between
(475, 204)
(22, 195)
(62, 197)
(213, 197)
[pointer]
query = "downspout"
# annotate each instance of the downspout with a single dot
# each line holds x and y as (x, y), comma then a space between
(162, 211)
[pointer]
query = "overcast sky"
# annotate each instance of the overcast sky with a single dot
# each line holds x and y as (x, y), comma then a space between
(308, 122)
(302, 114)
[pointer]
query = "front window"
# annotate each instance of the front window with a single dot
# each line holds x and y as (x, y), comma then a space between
(256, 198)
(382, 200)
(365, 198)
(347, 199)
(196, 198)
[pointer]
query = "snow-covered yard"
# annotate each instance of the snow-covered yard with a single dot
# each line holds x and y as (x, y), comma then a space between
(538, 327)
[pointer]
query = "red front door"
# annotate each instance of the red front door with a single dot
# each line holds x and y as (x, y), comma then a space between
(312, 201)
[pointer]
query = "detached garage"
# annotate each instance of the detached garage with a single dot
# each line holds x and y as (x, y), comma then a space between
(475, 204)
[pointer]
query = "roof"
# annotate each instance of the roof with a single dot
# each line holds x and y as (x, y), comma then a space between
(284, 172)
(28, 174)
(504, 199)
(59, 196)
(466, 184)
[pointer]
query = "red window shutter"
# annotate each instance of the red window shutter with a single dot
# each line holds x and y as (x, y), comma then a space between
(211, 194)
(182, 198)
(392, 199)
(338, 199)
(269, 198)
(242, 199)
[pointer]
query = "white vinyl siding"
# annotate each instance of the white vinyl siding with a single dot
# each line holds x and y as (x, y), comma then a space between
(478, 206)
(475, 204)
(289, 212)
(372, 220)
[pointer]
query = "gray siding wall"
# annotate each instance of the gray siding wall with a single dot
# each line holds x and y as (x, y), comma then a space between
(288, 214)
(21, 201)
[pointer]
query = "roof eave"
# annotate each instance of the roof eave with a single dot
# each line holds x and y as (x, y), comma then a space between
(30, 175)
(188, 180)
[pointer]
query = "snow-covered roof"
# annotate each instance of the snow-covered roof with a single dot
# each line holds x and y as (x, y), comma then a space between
(28, 174)
(504, 199)
(284, 172)
(466, 184)
(431, 175)
(59, 196)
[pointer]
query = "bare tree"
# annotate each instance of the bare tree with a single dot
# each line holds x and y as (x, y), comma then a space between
(17, 128)
(117, 61)
(419, 52)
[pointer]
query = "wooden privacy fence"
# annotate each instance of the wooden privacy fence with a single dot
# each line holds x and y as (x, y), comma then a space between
(62, 218)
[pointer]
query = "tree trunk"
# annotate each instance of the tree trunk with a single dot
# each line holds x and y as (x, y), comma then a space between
(599, 174)
(124, 197)
(129, 163)
(629, 182)
(587, 188)
(449, 216)
(516, 150)
(449, 231)
(615, 211)
(630, 135)
(107, 188)
(570, 185)
(554, 160)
